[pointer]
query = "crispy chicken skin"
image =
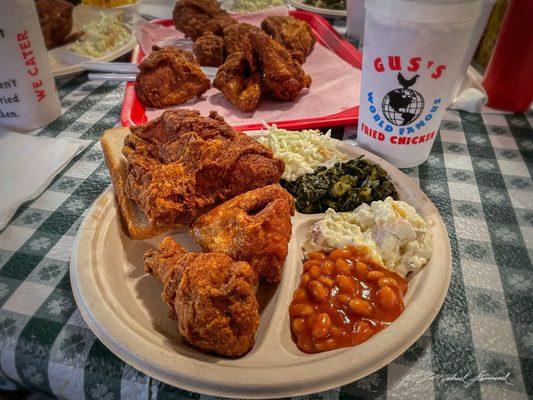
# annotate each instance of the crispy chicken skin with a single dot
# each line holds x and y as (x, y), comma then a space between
(283, 76)
(293, 33)
(254, 227)
(236, 38)
(55, 17)
(209, 295)
(239, 82)
(169, 76)
(182, 163)
(217, 24)
(209, 50)
(191, 16)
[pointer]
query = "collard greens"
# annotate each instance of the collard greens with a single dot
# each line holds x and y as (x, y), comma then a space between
(342, 187)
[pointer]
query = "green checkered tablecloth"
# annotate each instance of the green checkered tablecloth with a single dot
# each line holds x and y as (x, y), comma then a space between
(480, 346)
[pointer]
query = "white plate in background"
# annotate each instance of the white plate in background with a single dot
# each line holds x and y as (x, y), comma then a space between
(65, 62)
(325, 12)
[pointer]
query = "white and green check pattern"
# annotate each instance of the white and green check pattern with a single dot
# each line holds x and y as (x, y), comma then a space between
(478, 175)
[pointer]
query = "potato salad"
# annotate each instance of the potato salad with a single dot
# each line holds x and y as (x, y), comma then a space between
(392, 231)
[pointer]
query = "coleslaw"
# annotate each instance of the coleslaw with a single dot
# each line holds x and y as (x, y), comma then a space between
(101, 36)
(302, 151)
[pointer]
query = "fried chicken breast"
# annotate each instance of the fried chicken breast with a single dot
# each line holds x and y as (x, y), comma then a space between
(182, 163)
(283, 76)
(254, 227)
(239, 81)
(293, 33)
(210, 296)
(169, 76)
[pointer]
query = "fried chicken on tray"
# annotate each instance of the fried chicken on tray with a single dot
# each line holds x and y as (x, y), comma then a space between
(252, 62)
(218, 24)
(209, 50)
(169, 76)
(181, 164)
(262, 66)
(283, 76)
(293, 33)
(239, 81)
(236, 38)
(194, 17)
(209, 295)
(254, 227)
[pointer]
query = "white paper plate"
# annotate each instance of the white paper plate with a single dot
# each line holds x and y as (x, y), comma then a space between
(326, 12)
(64, 62)
(122, 305)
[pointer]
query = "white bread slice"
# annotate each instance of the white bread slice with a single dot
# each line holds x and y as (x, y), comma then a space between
(135, 220)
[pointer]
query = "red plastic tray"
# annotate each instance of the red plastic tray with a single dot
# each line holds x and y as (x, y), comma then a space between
(133, 111)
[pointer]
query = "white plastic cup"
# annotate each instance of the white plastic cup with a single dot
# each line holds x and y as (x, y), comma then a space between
(411, 59)
(28, 95)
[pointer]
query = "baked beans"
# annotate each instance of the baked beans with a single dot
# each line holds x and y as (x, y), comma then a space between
(343, 299)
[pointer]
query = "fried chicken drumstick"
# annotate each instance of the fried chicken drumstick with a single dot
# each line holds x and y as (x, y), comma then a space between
(293, 33)
(283, 76)
(182, 163)
(209, 295)
(254, 227)
(169, 76)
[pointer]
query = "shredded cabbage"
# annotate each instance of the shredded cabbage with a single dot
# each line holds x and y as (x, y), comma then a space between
(302, 151)
(100, 36)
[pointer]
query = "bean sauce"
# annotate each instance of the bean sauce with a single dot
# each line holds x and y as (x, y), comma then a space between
(343, 299)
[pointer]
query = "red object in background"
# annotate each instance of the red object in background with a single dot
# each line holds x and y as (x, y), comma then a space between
(509, 77)
(133, 111)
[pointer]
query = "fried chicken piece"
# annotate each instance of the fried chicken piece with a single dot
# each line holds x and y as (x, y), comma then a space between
(254, 227)
(55, 17)
(169, 76)
(283, 76)
(209, 50)
(191, 16)
(182, 163)
(209, 295)
(293, 33)
(239, 82)
(217, 24)
(236, 38)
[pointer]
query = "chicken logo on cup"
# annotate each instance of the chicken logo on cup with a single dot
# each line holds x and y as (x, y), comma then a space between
(403, 105)
(402, 116)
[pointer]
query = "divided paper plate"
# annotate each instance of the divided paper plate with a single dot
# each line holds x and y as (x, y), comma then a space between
(122, 305)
